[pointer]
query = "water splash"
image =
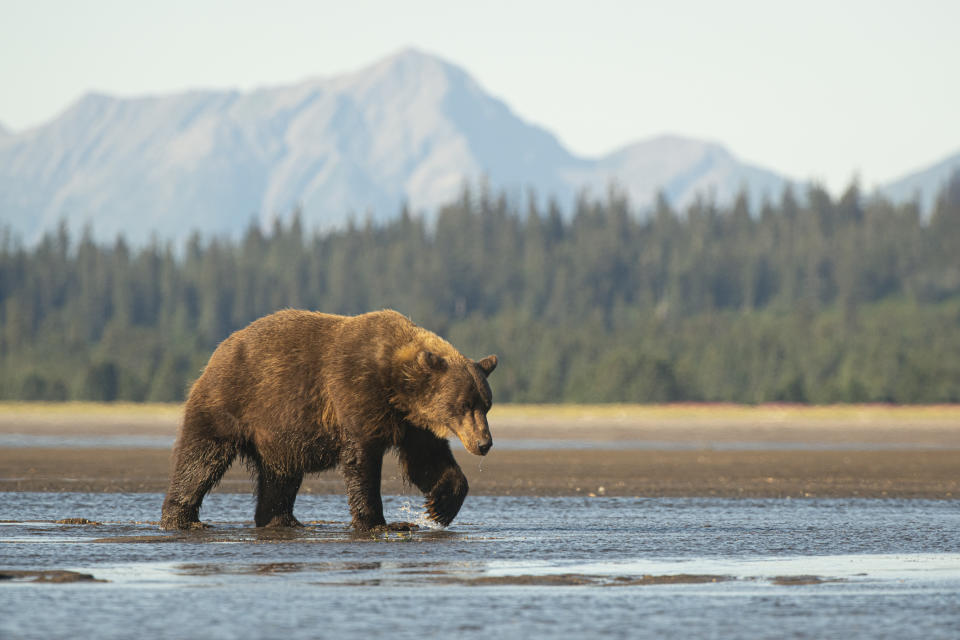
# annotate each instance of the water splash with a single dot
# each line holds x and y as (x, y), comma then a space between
(408, 512)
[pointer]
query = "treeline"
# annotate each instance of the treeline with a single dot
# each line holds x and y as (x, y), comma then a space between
(808, 299)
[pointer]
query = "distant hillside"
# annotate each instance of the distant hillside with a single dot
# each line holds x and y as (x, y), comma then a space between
(410, 129)
(681, 168)
(924, 184)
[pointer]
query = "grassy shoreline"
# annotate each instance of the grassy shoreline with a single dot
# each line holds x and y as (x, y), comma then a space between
(930, 425)
(585, 411)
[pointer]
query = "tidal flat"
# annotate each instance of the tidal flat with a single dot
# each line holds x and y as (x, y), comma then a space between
(613, 450)
(765, 522)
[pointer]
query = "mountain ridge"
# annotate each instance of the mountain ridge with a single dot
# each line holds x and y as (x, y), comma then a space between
(408, 129)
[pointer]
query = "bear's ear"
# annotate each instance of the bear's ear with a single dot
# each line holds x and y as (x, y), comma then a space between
(430, 360)
(488, 364)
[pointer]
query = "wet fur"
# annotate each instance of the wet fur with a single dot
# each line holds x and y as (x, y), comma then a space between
(300, 392)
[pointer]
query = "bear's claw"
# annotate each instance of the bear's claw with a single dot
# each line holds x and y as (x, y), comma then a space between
(439, 513)
(194, 525)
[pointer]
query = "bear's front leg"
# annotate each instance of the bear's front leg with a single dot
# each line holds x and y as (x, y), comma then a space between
(429, 464)
(361, 467)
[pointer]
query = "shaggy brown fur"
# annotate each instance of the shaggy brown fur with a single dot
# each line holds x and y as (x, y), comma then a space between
(298, 392)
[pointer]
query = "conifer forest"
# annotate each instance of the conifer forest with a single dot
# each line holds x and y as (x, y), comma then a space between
(805, 298)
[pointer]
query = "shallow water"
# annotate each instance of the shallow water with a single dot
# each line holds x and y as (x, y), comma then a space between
(509, 567)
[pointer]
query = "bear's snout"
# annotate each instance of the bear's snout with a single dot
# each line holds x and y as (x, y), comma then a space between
(484, 444)
(474, 433)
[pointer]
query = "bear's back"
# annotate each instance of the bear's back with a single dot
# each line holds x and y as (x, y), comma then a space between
(264, 358)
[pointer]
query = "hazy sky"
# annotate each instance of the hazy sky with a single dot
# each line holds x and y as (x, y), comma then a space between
(818, 90)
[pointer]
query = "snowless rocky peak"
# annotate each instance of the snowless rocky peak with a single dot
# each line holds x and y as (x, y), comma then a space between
(411, 128)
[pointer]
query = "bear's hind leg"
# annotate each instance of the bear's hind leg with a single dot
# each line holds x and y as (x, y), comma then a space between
(199, 463)
(275, 497)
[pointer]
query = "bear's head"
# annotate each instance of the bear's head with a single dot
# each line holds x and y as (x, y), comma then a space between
(448, 394)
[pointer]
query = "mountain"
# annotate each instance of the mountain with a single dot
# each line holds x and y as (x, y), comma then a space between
(924, 184)
(682, 168)
(409, 129)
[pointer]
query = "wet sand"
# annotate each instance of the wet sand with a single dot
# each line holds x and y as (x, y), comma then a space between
(778, 473)
(903, 452)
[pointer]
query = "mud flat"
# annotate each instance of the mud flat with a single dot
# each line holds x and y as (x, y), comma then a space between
(594, 473)
(608, 450)
(611, 521)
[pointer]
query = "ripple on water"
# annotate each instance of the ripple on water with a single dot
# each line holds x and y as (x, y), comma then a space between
(559, 567)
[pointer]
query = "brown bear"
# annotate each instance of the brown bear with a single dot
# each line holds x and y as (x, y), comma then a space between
(298, 392)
